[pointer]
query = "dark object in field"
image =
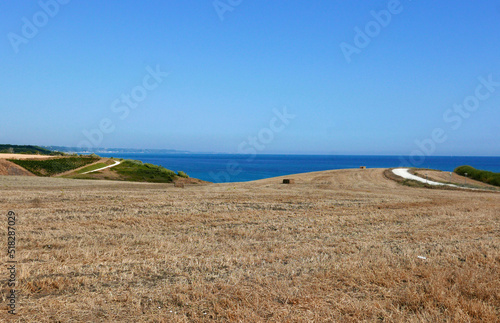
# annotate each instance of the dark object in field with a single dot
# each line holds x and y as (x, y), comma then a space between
(288, 181)
(362, 167)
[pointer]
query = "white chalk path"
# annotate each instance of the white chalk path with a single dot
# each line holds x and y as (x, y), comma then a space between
(403, 172)
(117, 162)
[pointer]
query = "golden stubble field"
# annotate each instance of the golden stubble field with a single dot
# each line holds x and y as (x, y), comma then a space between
(336, 246)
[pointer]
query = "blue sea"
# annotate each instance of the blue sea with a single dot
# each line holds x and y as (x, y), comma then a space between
(220, 168)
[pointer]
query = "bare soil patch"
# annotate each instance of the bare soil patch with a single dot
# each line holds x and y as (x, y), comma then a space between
(9, 168)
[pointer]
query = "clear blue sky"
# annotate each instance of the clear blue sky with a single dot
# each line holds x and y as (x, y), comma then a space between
(227, 76)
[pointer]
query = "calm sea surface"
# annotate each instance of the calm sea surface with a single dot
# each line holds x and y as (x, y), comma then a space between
(240, 168)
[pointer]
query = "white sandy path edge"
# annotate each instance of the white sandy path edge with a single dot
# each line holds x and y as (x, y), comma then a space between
(403, 172)
(117, 162)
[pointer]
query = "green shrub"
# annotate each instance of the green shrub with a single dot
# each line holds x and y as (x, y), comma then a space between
(182, 174)
(135, 170)
(479, 175)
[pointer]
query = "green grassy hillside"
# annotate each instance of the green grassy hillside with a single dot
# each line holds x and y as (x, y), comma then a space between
(137, 171)
(27, 149)
(132, 171)
(479, 175)
(55, 166)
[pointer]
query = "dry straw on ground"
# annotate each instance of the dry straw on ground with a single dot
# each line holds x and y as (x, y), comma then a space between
(336, 246)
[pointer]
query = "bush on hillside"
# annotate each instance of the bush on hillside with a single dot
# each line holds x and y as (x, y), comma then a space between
(137, 171)
(479, 175)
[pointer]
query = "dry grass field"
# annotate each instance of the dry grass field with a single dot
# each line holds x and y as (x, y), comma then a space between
(336, 246)
(25, 156)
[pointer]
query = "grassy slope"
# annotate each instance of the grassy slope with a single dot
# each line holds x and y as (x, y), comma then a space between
(130, 170)
(136, 171)
(92, 167)
(52, 167)
(95, 166)
(479, 175)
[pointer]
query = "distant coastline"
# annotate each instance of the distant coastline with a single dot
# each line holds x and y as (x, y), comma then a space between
(220, 168)
(115, 150)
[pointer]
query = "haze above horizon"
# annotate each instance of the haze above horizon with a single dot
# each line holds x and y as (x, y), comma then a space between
(236, 76)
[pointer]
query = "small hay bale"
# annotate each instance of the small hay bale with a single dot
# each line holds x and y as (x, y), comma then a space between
(288, 181)
(362, 167)
(179, 184)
